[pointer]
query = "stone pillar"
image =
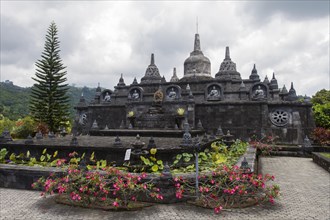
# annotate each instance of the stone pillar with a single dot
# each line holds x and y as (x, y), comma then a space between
(296, 122)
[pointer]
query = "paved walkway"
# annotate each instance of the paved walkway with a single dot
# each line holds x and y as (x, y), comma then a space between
(304, 185)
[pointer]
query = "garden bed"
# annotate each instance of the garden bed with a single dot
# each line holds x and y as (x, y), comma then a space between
(104, 205)
(21, 177)
(322, 160)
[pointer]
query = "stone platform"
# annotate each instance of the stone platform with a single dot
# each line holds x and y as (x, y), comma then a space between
(144, 132)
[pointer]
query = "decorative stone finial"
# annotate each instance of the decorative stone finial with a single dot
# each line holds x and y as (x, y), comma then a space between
(29, 140)
(122, 124)
(219, 131)
(118, 142)
(254, 73)
(292, 96)
(200, 125)
(174, 77)
(95, 125)
(166, 173)
(163, 79)
(74, 141)
(227, 68)
(284, 90)
(197, 43)
(152, 61)
(242, 86)
(39, 135)
(121, 81)
(205, 138)
(51, 134)
(227, 55)
(152, 74)
(244, 164)
(273, 83)
(151, 143)
(134, 81)
(266, 81)
(254, 70)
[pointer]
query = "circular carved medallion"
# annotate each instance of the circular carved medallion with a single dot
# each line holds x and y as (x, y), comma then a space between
(279, 117)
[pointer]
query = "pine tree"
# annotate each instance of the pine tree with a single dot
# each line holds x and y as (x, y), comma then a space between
(49, 101)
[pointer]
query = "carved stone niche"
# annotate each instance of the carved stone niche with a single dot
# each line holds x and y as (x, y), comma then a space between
(213, 92)
(106, 96)
(135, 94)
(173, 92)
(259, 92)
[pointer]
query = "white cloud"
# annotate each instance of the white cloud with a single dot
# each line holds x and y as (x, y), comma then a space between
(100, 40)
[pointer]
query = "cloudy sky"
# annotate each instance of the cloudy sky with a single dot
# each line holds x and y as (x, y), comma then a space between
(102, 39)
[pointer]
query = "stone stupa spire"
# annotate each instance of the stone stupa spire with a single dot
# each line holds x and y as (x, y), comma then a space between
(227, 68)
(197, 66)
(227, 55)
(197, 43)
(152, 74)
(174, 77)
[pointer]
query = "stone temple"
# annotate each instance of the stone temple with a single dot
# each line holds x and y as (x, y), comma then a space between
(208, 102)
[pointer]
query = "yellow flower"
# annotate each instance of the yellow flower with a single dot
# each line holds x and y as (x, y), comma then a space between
(180, 111)
(130, 114)
(153, 151)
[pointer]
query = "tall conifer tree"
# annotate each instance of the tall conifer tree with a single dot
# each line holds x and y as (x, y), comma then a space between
(49, 101)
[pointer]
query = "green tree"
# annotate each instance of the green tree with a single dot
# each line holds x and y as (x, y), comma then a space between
(49, 100)
(321, 108)
(321, 97)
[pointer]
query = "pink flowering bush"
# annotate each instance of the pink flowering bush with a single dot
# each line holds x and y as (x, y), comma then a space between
(265, 145)
(228, 187)
(112, 187)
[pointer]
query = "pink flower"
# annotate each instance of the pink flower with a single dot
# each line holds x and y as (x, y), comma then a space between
(160, 197)
(103, 198)
(115, 204)
(217, 209)
(178, 194)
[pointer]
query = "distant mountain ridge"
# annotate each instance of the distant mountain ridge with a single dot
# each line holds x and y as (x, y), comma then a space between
(14, 100)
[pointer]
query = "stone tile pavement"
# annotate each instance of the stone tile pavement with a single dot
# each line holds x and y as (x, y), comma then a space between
(304, 185)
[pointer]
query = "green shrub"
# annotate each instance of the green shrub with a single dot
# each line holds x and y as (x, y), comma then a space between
(24, 127)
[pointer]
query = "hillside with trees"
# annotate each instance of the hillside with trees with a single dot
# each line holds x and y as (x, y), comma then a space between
(14, 100)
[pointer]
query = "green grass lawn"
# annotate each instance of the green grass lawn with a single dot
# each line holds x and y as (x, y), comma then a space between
(327, 155)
